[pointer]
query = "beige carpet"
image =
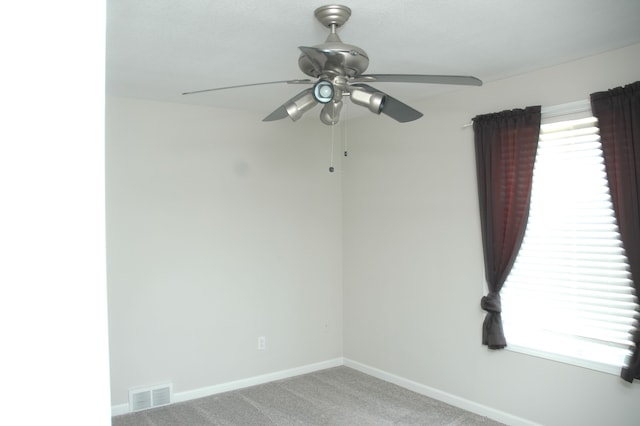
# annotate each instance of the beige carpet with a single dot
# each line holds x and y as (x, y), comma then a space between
(336, 396)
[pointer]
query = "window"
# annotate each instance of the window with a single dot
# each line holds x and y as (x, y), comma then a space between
(569, 296)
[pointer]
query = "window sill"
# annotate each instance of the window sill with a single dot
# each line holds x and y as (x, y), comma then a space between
(566, 359)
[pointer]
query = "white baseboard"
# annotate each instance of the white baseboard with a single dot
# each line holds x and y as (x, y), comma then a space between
(117, 410)
(448, 398)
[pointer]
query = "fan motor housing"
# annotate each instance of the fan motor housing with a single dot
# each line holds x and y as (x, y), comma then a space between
(346, 60)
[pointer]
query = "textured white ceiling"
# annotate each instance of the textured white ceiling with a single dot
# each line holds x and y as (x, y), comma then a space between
(157, 49)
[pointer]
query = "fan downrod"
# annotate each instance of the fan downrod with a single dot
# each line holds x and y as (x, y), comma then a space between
(332, 15)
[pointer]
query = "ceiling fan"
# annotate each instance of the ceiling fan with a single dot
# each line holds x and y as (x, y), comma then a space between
(337, 69)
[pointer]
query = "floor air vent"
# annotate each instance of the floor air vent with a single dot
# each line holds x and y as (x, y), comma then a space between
(149, 397)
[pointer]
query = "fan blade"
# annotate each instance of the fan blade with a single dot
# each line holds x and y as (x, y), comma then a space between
(292, 108)
(278, 114)
(300, 81)
(392, 107)
(420, 78)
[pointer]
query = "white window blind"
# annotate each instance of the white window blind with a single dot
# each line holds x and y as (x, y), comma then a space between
(569, 295)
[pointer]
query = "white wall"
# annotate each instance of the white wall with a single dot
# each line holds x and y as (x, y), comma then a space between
(413, 268)
(220, 229)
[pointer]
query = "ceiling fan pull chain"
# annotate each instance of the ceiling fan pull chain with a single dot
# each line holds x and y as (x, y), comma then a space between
(333, 137)
(344, 132)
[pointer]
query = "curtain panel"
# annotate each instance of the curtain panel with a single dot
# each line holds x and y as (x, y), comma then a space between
(505, 145)
(618, 113)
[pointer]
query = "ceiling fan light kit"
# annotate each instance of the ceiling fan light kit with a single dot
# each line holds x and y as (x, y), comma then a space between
(297, 107)
(373, 101)
(330, 114)
(338, 69)
(323, 91)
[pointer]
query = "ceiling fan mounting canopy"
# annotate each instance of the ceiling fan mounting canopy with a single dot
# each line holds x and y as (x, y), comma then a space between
(339, 69)
(332, 14)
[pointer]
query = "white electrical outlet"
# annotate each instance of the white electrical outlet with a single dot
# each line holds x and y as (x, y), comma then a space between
(262, 343)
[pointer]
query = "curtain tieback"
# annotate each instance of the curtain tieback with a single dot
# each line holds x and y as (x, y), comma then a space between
(491, 302)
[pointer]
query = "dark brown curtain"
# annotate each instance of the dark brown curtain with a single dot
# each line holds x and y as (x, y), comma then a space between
(506, 145)
(618, 113)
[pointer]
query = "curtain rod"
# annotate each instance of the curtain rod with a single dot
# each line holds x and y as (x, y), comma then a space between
(559, 110)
